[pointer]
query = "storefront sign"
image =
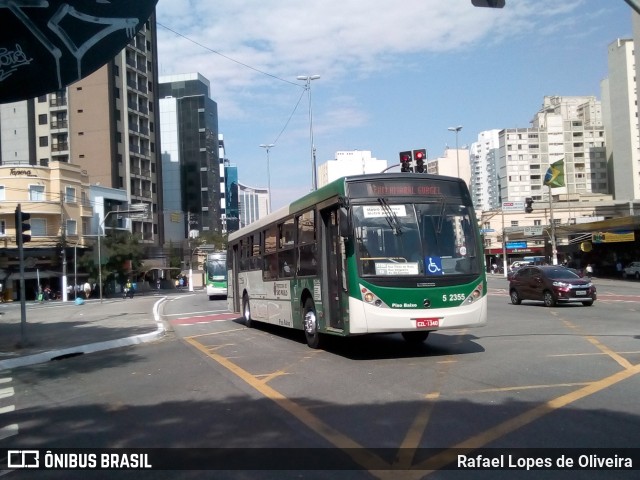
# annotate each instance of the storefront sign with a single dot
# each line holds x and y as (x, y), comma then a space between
(612, 237)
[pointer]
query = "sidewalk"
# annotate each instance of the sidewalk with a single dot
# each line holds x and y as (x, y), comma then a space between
(55, 330)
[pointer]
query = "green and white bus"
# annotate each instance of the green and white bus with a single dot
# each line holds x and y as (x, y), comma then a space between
(383, 253)
(215, 269)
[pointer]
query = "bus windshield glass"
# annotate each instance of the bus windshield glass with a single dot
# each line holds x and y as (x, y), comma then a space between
(418, 239)
(216, 270)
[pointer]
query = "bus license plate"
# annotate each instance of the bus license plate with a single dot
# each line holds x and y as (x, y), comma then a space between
(427, 322)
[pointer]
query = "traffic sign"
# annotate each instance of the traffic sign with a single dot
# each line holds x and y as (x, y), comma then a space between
(513, 206)
(533, 230)
(487, 230)
(516, 244)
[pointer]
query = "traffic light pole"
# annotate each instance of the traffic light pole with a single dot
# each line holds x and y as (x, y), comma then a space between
(504, 247)
(23, 298)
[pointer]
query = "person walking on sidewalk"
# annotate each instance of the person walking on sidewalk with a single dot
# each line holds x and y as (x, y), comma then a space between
(589, 270)
(87, 290)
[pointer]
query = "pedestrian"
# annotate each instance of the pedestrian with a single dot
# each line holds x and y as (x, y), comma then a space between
(494, 267)
(128, 289)
(589, 270)
(1, 293)
(619, 268)
(87, 290)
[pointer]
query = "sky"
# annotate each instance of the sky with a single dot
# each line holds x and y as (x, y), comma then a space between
(394, 76)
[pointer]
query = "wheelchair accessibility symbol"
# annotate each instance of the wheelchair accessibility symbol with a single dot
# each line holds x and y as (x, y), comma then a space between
(434, 265)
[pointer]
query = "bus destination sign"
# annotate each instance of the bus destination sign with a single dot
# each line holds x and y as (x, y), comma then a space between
(405, 188)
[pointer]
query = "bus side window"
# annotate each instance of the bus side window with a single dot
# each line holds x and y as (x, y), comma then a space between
(270, 267)
(285, 257)
(307, 262)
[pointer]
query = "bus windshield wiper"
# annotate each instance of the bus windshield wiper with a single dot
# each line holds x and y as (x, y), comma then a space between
(390, 215)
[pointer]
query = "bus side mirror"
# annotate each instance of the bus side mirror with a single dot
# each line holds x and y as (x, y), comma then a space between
(344, 223)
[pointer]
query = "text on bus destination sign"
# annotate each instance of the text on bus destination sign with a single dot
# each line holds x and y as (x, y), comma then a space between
(405, 189)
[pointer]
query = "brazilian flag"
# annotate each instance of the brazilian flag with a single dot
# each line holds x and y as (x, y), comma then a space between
(555, 175)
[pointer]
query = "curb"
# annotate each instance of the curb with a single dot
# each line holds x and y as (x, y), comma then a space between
(44, 357)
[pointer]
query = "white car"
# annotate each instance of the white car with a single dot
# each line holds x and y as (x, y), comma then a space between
(632, 270)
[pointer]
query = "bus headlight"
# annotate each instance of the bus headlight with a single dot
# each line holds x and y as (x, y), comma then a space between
(371, 298)
(475, 295)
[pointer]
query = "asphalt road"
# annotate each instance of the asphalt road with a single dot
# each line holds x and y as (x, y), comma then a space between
(534, 377)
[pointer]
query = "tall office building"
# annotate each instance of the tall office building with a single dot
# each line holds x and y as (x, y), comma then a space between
(565, 128)
(190, 150)
(253, 204)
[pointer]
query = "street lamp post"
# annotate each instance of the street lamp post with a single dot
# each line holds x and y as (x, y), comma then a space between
(307, 79)
(139, 209)
(268, 147)
(457, 130)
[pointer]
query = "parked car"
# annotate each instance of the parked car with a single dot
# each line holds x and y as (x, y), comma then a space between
(551, 284)
(632, 270)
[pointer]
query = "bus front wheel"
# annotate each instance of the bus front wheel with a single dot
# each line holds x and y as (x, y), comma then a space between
(310, 321)
(415, 338)
(246, 311)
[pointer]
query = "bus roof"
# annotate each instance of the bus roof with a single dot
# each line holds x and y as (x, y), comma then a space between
(333, 189)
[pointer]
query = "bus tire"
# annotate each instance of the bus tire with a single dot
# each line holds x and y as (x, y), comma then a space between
(415, 338)
(310, 324)
(246, 311)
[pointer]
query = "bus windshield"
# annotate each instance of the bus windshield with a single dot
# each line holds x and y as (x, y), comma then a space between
(216, 270)
(419, 239)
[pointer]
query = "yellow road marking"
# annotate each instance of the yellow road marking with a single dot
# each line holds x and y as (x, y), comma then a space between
(524, 387)
(381, 469)
(478, 441)
(217, 333)
(411, 441)
(593, 354)
(356, 451)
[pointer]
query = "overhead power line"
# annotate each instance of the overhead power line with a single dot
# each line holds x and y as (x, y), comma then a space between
(227, 57)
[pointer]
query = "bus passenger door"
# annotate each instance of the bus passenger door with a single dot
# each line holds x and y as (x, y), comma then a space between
(334, 281)
(232, 281)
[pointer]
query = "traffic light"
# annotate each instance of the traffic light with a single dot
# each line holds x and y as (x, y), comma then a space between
(528, 205)
(488, 3)
(22, 227)
(405, 162)
(420, 156)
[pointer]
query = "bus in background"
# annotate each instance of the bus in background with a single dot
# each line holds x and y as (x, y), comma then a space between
(215, 269)
(383, 253)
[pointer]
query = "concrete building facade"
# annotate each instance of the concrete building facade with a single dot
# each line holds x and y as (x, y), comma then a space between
(352, 162)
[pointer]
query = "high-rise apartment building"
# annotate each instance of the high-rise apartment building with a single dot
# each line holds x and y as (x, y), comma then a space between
(113, 128)
(565, 128)
(454, 163)
(484, 177)
(353, 162)
(192, 150)
(620, 109)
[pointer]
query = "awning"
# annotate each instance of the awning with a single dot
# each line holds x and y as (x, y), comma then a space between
(34, 275)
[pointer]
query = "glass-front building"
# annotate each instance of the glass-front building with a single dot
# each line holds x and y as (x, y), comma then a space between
(189, 119)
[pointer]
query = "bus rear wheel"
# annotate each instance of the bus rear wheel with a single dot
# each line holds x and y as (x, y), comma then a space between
(310, 323)
(246, 311)
(415, 338)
